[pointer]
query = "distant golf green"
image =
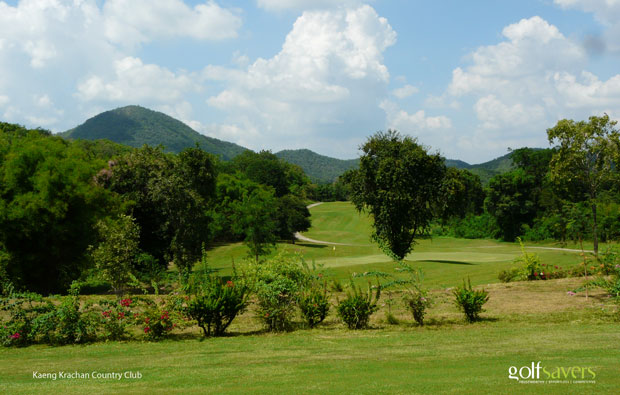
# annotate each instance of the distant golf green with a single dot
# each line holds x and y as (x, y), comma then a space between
(445, 261)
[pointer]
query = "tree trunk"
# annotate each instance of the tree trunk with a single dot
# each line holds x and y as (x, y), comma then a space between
(595, 230)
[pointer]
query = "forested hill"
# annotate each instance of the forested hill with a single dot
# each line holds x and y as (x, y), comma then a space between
(136, 126)
(320, 168)
(485, 170)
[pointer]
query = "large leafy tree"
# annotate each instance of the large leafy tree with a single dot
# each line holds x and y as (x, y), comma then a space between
(511, 201)
(254, 217)
(587, 154)
(399, 184)
(49, 205)
(168, 196)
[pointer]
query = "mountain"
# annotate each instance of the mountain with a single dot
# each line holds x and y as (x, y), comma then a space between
(485, 170)
(136, 126)
(319, 168)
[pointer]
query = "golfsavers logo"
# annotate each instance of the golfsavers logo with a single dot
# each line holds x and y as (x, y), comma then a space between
(537, 374)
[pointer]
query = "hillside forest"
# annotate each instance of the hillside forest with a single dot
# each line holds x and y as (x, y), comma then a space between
(81, 209)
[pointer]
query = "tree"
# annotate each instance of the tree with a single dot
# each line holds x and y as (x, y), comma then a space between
(587, 155)
(115, 254)
(48, 208)
(399, 184)
(510, 201)
(462, 194)
(293, 216)
(255, 218)
(168, 196)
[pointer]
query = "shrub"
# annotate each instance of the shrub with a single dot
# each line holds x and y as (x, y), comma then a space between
(278, 281)
(470, 301)
(71, 323)
(417, 301)
(355, 310)
(115, 317)
(217, 304)
(508, 275)
(314, 303)
(156, 320)
(22, 309)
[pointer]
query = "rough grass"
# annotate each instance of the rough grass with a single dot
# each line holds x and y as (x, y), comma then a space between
(524, 322)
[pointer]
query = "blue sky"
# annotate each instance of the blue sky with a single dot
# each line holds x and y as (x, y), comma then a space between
(468, 79)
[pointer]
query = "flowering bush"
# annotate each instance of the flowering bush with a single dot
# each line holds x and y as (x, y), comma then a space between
(22, 309)
(115, 318)
(216, 304)
(156, 320)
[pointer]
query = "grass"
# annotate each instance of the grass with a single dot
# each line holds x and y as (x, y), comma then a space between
(445, 261)
(524, 322)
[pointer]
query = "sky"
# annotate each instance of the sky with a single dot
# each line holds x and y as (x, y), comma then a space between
(468, 79)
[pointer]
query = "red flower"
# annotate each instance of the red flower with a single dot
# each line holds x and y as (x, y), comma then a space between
(126, 302)
(106, 313)
(135, 315)
(15, 335)
(266, 315)
(121, 315)
(164, 316)
(536, 274)
(147, 329)
(147, 319)
(229, 284)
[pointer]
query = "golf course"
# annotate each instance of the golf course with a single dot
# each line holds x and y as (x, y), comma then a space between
(573, 338)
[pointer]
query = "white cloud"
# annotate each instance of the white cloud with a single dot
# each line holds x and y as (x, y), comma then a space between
(279, 5)
(524, 84)
(137, 21)
(405, 91)
(4, 100)
(328, 74)
(415, 124)
(605, 11)
(135, 82)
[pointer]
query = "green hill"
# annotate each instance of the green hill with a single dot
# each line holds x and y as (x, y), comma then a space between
(486, 170)
(136, 126)
(319, 168)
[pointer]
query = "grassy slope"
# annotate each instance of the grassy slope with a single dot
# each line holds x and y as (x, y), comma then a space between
(445, 261)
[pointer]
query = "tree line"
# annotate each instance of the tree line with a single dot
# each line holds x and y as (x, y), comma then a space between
(70, 208)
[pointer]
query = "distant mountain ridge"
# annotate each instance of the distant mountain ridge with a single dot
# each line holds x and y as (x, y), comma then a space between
(136, 126)
(319, 168)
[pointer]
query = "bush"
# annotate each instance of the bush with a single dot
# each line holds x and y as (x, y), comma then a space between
(22, 309)
(355, 310)
(508, 275)
(417, 301)
(156, 320)
(115, 317)
(314, 303)
(470, 301)
(217, 304)
(278, 282)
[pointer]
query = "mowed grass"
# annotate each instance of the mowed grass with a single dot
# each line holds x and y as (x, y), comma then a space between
(445, 261)
(524, 323)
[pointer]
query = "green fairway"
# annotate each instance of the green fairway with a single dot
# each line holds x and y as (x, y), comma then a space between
(523, 323)
(445, 261)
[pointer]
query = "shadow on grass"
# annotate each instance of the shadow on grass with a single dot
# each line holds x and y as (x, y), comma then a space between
(445, 261)
(310, 245)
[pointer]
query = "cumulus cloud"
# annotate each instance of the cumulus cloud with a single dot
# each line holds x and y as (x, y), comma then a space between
(524, 84)
(279, 5)
(415, 124)
(605, 11)
(135, 81)
(137, 21)
(405, 91)
(328, 73)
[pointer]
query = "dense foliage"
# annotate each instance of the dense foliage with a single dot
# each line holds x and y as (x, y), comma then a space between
(398, 184)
